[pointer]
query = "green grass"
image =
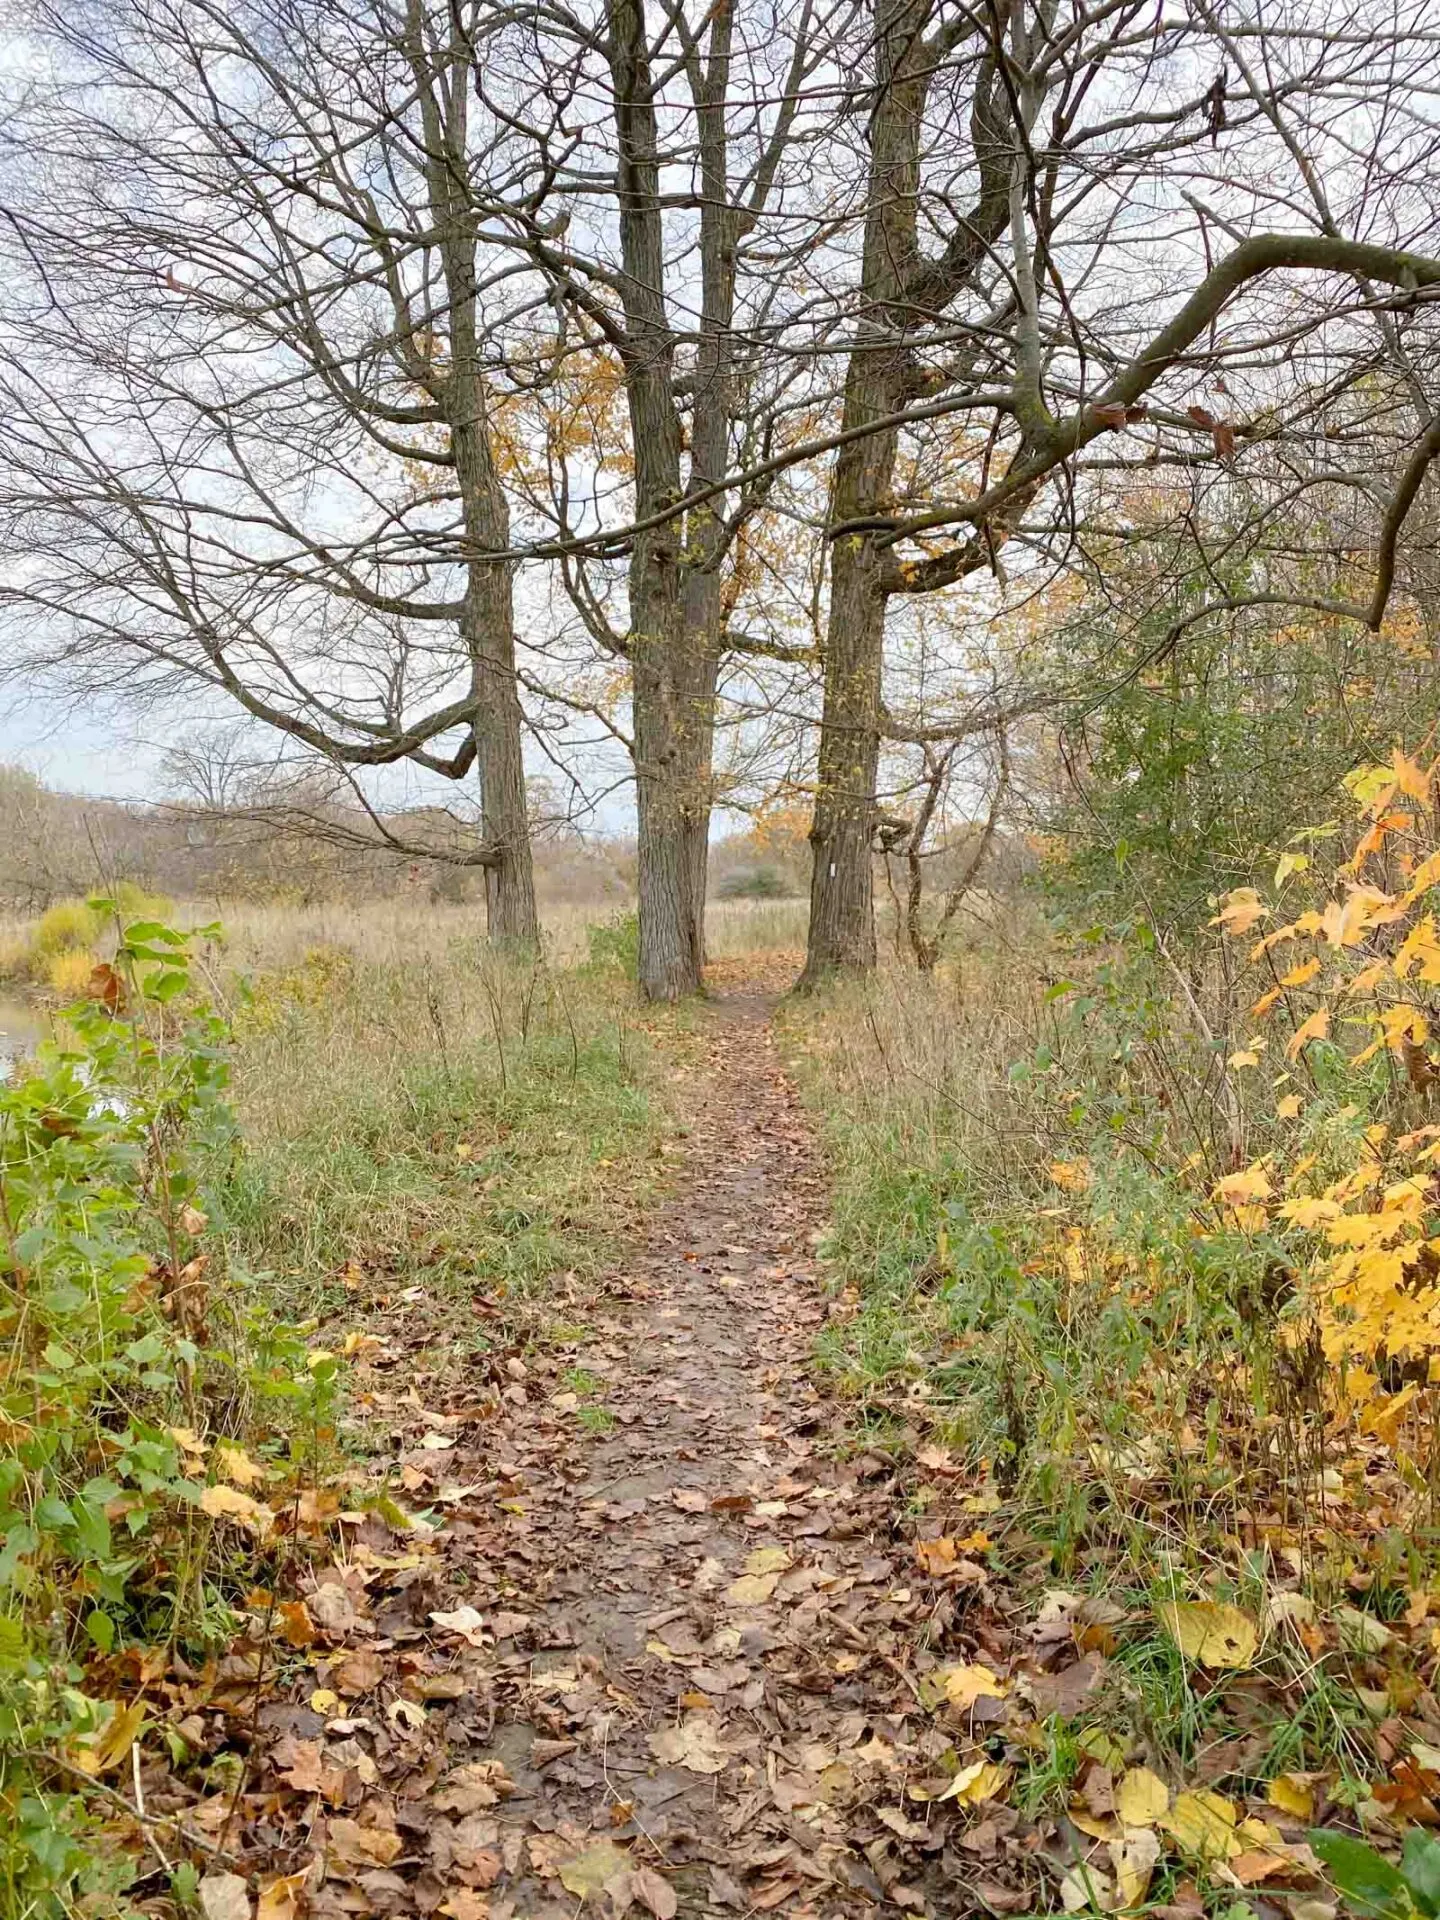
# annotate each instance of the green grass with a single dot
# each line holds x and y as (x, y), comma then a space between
(482, 1131)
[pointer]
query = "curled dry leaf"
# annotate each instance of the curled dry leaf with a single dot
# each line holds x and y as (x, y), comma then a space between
(467, 1621)
(280, 1896)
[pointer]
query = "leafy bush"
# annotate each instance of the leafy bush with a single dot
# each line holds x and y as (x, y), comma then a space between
(614, 945)
(124, 1361)
(754, 883)
(68, 926)
(67, 973)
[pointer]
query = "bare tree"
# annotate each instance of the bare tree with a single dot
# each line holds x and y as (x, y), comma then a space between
(249, 357)
(1107, 159)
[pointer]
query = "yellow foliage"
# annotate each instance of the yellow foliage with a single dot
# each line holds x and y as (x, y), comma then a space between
(68, 925)
(68, 973)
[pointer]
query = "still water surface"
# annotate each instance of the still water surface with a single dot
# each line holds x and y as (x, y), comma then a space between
(20, 1028)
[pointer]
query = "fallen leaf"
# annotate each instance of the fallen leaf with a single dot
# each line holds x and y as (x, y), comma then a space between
(228, 1503)
(467, 1621)
(981, 1780)
(224, 1896)
(295, 1623)
(356, 1846)
(936, 1556)
(359, 1672)
(1134, 1859)
(768, 1560)
(694, 1744)
(1212, 1635)
(280, 1896)
(690, 1499)
(232, 1463)
(463, 1904)
(1292, 1793)
(1083, 1886)
(1202, 1823)
(1141, 1798)
(965, 1685)
(654, 1891)
(751, 1589)
(586, 1874)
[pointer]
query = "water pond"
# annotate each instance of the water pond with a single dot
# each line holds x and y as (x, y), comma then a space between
(21, 1026)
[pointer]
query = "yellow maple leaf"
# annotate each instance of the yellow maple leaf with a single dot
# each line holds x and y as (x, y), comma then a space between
(232, 1463)
(1292, 1793)
(1211, 1634)
(228, 1503)
(965, 1685)
(1251, 1183)
(1202, 1823)
(1315, 1028)
(1297, 976)
(1239, 911)
(1141, 1798)
(981, 1780)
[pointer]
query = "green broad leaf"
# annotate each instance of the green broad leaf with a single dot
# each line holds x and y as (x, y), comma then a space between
(92, 1529)
(165, 986)
(1420, 1869)
(53, 1515)
(101, 1629)
(56, 1356)
(153, 930)
(1364, 1877)
(150, 1347)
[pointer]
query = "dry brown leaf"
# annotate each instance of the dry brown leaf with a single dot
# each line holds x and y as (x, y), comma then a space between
(224, 1896)
(356, 1846)
(359, 1672)
(228, 1503)
(695, 1744)
(654, 1891)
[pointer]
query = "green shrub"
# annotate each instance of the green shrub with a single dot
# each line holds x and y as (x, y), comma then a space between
(754, 883)
(119, 1348)
(614, 945)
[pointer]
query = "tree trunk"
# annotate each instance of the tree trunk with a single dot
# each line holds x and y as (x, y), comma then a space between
(487, 616)
(902, 288)
(842, 903)
(842, 888)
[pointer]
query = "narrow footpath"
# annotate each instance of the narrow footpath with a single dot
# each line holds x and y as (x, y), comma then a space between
(660, 1658)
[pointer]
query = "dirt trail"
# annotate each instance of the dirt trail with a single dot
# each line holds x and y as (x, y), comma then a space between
(664, 1664)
